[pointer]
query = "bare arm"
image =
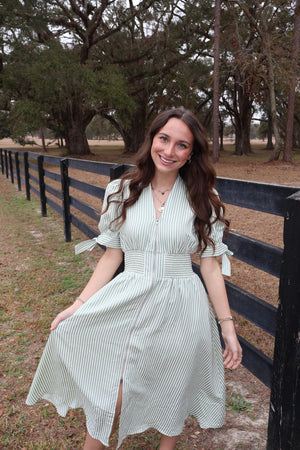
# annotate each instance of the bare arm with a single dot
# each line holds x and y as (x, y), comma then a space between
(102, 274)
(214, 282)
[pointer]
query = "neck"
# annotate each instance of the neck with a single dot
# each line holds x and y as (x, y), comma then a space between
(163, 181)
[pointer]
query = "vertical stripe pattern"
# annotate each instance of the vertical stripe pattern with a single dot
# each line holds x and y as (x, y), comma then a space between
(152, 326)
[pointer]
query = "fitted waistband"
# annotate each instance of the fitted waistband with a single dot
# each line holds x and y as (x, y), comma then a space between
(159, 264)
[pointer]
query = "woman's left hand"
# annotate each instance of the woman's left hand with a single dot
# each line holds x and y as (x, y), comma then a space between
(232, 354)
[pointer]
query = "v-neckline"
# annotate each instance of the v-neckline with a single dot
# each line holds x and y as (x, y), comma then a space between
(157, 219)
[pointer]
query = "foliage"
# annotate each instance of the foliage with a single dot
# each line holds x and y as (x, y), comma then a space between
(237, 403)
(100, 128)
(62, 63)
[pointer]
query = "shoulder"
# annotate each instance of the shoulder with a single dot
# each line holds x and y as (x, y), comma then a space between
(114, 186)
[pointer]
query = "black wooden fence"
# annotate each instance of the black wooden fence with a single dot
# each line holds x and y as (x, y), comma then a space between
(283, 374)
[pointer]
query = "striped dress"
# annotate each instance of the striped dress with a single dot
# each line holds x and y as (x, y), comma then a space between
(152, 326)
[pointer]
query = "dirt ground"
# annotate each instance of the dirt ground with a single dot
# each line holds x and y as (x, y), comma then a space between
(246, 423)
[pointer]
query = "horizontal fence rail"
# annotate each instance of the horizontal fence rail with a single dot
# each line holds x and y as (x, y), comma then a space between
(268, 198)
(32, 171)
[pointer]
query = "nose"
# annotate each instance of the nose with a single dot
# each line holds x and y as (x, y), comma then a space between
(169, 149)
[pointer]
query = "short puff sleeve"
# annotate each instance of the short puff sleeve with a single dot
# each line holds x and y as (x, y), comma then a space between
(109, 232)
(216, 234)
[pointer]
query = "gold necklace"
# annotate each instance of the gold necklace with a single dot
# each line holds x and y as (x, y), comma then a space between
(161, 192)
(162, 203)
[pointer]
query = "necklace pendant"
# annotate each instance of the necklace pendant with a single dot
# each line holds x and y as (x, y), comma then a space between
(161, 208)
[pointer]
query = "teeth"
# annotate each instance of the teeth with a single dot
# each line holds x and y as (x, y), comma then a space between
(166, 160)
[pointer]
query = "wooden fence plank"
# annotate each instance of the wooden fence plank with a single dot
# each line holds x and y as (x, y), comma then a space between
(85, 208)
(82, 226)
(257, 311)
(90, 166)
(88, 188)
(265, 197)
(53, 191)
(54, 206)
(53, 175)
(256, 362)
(257, 253)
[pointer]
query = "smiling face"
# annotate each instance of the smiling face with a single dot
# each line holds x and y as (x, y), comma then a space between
(172, 146)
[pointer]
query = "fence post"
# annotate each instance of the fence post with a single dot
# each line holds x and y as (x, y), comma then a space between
(11, 168)
(26, 172)
(41, 172)
(2, 161)
(17, 162)
(64, 172)
(6, 163)
(284, 416)
(117, 170)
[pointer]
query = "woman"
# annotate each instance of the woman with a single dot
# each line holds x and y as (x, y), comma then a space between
(145, 344)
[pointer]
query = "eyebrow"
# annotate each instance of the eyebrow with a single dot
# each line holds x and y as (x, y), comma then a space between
(180, 140)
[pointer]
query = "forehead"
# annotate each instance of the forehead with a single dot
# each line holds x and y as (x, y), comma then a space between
(178, 130)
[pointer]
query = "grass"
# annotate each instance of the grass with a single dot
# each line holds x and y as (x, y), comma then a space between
(40, 278)
(237, 403)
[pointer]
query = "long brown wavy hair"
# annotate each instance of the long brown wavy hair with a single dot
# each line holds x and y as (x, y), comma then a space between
(198, 175)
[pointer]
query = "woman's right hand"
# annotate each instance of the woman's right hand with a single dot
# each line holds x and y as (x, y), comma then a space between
(65, 314)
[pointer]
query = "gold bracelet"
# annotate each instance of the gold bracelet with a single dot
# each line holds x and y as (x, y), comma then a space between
(225, 319)
(79, 299)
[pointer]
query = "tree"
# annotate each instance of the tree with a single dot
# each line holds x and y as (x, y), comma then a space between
(72, 29)
(288, 144)
(238, 67)
(270, 21)
(215, 147)
(158, 54)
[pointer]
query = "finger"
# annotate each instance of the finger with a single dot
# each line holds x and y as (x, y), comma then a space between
(225, 353)
(53, 325)
(227, 361)
(233, 362)
(55, 322)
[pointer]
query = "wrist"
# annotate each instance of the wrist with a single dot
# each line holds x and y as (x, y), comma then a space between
(225, 319)
(78, 301)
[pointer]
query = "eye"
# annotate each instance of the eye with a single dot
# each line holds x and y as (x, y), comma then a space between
(163, 138)
(182, 146)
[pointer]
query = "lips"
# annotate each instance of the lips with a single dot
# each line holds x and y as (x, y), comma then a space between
(166, 161)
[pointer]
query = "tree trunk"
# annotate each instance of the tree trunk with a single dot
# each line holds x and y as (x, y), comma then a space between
(133, 132)
(76, 141)
(221, 134)
(270, 145)
(215, 146)
(242, 141)
(43, 130)
(271, 87)
(75, 123)
(288, 143)
(242, 122)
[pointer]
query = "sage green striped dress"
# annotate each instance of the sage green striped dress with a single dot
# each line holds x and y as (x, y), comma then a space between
(152, 326)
